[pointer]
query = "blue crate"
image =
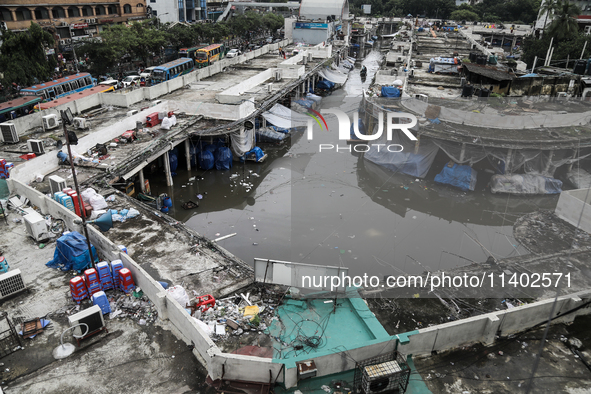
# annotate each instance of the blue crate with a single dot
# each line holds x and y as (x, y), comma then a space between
(102, 301)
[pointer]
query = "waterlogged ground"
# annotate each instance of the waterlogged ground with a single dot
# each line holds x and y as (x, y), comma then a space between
(336, 208)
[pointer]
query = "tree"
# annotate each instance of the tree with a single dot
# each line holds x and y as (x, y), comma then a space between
(22, 56)
(564, 26)
(464, 15)
(570, 48)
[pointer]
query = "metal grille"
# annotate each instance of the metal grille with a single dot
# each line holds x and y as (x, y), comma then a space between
(9, 339)
(388, 373)
(8, 133)
(11, 283)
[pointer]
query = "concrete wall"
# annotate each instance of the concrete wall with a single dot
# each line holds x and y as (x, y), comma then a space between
(321, 51)
(531, 121)
(234, 94)
(26, 172)
(218, 111)
(570, 205)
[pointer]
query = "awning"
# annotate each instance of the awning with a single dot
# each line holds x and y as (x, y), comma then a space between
(284, 117)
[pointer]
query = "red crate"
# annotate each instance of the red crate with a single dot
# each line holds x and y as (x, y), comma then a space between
(205, 302)
(152, 120)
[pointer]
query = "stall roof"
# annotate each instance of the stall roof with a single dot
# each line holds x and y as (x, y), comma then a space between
(488, 72)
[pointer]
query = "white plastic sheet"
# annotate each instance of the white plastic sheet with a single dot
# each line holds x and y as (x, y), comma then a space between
(242, 142)
(333, 76)
(284, 117)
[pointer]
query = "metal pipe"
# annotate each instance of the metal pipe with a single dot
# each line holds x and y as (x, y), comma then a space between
(80, 204)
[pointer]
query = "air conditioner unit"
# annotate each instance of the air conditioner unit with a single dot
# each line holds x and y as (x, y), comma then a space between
(9, 134)
(35, 146)
(270, 88)
(132, 112)
(278, 75)
(92, 317)
(90, 20)
(56, 184)
(11, 283)
(80, 123)
(36, 226)
(156, 102)
(305, 60)
(562, 95)
(380, 378)
(309, 56)
(65, 24)
(307, 369)
(399, 58)
(50, 122)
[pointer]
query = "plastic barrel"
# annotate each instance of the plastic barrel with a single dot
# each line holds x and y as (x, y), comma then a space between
(167, 202)
(164, 209)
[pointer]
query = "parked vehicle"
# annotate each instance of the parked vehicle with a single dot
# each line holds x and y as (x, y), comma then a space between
(147, 72)
(60, 87)
(208, 55)
(172, 70)
(233, 53)
(127, 81)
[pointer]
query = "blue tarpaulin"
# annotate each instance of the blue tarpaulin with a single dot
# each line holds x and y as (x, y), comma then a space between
(390, 91)
(223, 158)
(462, 177)
(71, 253)
(206, 161)
(258, 153)
(325, 85)
(173, 160)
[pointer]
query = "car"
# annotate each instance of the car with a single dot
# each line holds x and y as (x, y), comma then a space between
(131, 79)
(233, 53)
(109, 82)
(147, 72)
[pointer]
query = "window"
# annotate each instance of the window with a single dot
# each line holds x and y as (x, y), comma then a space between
(73, 12)
(41, 13)
(88, 80)
(111, 10)
(5, 14)
(23, 14)
(67, 87)
(140, 6)
(59, 90)
(87, 11)
(127, 9)
(58, 12)
(154, 13)
(100, 10)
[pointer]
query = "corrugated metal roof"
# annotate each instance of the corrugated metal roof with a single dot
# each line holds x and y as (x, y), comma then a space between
(489, 72)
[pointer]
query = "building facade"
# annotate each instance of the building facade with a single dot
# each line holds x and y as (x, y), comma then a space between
(178, 10)
(70, 19)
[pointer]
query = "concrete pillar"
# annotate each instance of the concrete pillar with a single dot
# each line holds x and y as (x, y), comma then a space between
(188, 153)
(549, 162)
(490, 330)
(167, 171)
(462, 153)
(574, 156)
(313, 82)
(142, 182)
(33, 16)
(508, 162)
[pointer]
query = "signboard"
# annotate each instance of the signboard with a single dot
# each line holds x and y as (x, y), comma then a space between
(79, 25)
(135, 18)
(50, 51)
(305, 25)
(106, 21)
(366, 8)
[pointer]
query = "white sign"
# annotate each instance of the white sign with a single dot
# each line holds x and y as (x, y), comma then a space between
(366, 8)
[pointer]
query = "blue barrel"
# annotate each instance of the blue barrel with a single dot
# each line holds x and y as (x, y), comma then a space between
(164, 209)
(167, 202)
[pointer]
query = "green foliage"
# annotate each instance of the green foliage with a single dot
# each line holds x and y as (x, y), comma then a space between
(464, 15)
(564, 25)
(568, 48)
(22, 56)
(255, 321)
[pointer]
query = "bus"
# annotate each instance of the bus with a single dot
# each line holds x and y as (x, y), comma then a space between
(60, 87)
(171, 70)
(189, 52)
(208, 55)
(18, 107)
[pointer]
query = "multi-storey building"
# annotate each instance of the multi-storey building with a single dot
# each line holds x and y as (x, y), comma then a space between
(70, 18)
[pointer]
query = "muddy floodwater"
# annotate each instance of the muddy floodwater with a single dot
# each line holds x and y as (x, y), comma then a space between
(336, 208)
